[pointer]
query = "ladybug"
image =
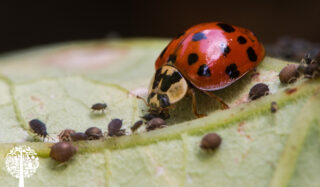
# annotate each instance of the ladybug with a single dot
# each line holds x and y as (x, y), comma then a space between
(207, 57)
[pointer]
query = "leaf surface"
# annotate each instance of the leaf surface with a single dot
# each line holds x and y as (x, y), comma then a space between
(58, 84)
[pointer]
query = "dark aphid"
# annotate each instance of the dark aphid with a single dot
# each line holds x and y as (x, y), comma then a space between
(155, 123)
(210, 141)
(65, 135)
(114, 128)
(312, 70)
(301, 68)
(62, 151)
(38, 128)
(150, 116)
(94, 133)
(306, 59)
(136, 125)
(258, 91)
(79, 136)
(99, 107)
(274, 107)
(289, 74)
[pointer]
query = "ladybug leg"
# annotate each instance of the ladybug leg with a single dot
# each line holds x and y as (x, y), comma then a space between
(223, 104)
(194, 103)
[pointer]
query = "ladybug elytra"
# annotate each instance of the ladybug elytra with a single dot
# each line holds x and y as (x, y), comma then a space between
(209, 57)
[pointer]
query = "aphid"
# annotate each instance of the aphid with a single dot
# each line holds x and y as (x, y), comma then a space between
(94, 133)
(207, 57)
(136, 125)
(62, 151)
(65, 135)
(79, 136)
(307, 59)
(312, 70)
(258, 91)
(155, 123)
(289, 74)
(301, 68)
(150, 116)
(38, 128)
(114, 128)
(210, 141)
(274, 107)
(99, 107)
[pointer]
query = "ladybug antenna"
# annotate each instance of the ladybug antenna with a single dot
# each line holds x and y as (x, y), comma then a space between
(145, 102)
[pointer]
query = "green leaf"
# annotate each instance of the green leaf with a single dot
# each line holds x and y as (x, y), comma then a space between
(58, 84)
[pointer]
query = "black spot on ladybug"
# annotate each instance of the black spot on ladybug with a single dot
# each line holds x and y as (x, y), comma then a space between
(226, 27)
(232, 71)
(151, 95)
(163, 100)
(192, 58)
(163, 51)
(242, 40)
(251, 54)
(204, 71)
(168, 80)
(172, 58)
(157, 78)
(226, 50)
(198, 36)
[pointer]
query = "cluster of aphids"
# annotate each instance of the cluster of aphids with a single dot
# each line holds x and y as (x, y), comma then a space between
(64, 150)
(308, 68)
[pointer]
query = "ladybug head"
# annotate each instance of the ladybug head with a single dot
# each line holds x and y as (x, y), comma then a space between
(167, 87)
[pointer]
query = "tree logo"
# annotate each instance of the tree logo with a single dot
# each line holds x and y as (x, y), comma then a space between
(22, 162)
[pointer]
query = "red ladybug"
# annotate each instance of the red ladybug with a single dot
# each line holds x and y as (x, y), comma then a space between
(209, 57)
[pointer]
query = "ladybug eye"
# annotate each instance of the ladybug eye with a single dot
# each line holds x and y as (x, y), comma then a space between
(163, 100)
